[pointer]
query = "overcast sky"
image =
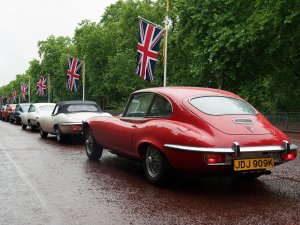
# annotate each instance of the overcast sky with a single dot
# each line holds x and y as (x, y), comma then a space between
(25, 22)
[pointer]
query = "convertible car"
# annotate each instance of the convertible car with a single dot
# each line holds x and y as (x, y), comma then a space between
(34, 112)
(195, 130)
(67, 117)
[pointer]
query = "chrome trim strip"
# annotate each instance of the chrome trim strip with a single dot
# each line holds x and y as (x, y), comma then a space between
(250, 121)
(268, 148)
(199, 149)
(69, 124)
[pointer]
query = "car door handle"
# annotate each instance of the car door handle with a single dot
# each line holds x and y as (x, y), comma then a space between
(134, 126)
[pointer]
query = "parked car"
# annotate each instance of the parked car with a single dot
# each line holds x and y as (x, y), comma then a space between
(15, 117)
(7, 111)
(2, 109)
(34, 112)
(190, 129)
(67, 117)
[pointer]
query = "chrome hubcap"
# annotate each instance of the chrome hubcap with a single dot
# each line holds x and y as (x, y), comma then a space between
(89, 143)
(58, 135)
(153, 162)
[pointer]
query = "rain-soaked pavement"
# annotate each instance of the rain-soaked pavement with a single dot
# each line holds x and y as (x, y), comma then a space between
(42, 182)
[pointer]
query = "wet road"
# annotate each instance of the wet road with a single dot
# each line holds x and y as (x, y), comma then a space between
(42, 182)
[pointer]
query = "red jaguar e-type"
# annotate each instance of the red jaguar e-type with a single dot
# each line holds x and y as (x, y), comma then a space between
(190, 129)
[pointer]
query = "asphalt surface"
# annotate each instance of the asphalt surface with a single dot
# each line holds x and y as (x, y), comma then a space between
(42, 182)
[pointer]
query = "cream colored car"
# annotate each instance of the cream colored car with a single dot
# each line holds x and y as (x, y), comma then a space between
(34, 112)
(67, 118)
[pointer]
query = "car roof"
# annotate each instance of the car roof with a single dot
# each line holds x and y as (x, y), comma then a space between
(75, 103)
(41, 104)
(185, 92)
(11, 105)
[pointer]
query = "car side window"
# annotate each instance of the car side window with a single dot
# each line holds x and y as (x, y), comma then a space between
(139, 105)
(160, 107)
(32, 109)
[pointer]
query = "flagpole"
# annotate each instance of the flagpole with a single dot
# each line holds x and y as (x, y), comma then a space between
(29, 90)
(166, 43)
(49, 88)
(83, 80)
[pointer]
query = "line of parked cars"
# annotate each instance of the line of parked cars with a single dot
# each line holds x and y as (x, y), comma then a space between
(189, 129)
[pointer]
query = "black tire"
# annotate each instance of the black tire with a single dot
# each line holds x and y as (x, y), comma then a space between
(43, 133)
(92, 148)
(156, 166)
(24, 126)
(60, 137)
(11, 120)
(32, 127)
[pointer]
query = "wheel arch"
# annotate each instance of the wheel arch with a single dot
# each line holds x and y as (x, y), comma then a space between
(85, 126)
(142, 147)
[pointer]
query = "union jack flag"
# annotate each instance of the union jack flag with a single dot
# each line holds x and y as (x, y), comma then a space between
(24, 88)
(41, 86)
(148, 45)
(73, 73)
(14, 96)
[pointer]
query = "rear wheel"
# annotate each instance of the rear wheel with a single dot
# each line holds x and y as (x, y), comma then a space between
(43, 134)
(156, 166)
(24, 126)
(92, 148)
(60, 137)
(32, 127)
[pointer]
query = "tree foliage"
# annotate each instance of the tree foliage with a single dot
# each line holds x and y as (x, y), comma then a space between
(248, 47)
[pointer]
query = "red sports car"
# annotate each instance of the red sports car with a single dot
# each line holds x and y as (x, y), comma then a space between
(7, 111)
(190, 129)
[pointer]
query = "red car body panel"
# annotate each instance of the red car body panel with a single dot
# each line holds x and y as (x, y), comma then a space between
(186, 126)
(8, 110)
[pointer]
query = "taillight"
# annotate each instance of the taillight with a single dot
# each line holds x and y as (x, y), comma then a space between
(211, 158)
(290, 156)
(75, 127)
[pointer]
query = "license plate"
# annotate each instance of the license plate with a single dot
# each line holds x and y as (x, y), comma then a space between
(253, 164)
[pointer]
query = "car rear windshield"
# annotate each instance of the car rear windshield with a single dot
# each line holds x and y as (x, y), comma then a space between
(83, 108)
(219, 105)
(46, 108)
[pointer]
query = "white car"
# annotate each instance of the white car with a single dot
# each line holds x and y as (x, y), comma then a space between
(34, 112)
(67, 118)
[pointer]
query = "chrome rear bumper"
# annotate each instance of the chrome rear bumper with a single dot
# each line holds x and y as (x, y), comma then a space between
(236, 148)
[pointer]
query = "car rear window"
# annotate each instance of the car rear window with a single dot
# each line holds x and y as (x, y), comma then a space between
(83, 108)
(219, 105)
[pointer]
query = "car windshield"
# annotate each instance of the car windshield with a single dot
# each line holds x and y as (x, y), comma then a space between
(83, 108)
(219, 105)
(46, 108)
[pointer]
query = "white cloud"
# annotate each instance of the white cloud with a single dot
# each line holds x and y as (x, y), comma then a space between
(24, 23)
